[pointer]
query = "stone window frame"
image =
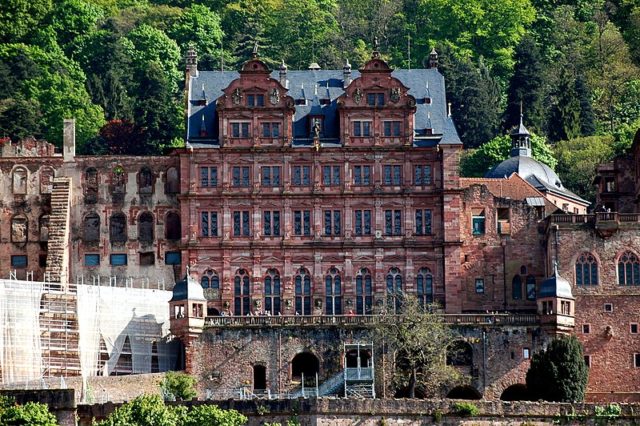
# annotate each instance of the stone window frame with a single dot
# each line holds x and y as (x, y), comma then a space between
(632, 326)
(586, 261)
(145, 214)
(586, 328)
(91, 181)
(272, 291)
(14, 177)
(587, 360)
(364, 291)
(361, 226)
(145, 173)
(393, 222)
(46, 172)
(479, 216)
(14, 220)
(302, 222)
(636, 360)
(362, 174)
(300, 167)
(394, 285)
(526, 353)
(122, 237)
(207, 279)
(19, 265)
(392, 174)
(92, 256)
(272, 223)
(172, 183)
(608, 308)
(91, 215)
(334, 292)
(630, 262)
(242, 292)
(425, 296)
(171, 233)
(303, 291)
(392, 128)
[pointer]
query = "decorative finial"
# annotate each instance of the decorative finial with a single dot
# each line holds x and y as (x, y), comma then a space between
(555, 268)
(255, 50)
(521, 114)
(376, 48)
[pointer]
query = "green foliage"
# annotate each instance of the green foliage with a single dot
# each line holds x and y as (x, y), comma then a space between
(19, 17)
(559, 373)
(418, 341)
(178, 385)
(211, 415)
(32, 414)
(73, 18)
(477, 162)
(577, 161)
(611, 411)
(465, 409)
(145, 410)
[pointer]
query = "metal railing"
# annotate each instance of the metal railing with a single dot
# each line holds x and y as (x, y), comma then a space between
(360, 320)
(596, 217)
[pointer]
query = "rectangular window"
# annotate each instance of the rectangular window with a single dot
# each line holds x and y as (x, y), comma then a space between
(477, 222)
(173, 258)
(480, 285)
(147, 259)
(362, 222)
(209, 177)
(608, 307)
(332, 222)
(633, 328)
(302, 222)
(91, 260)
(362, 175)
(636, 360)
(301, 175)
(271, 223)
(392, 174)
(118, 259)
(393, 222)
(241, 223)
(362, 128)
(526, 353)
(270, 176)
(19, 261)
(209, 224)
(392, 128)
(270, 130)
(422, 175)
(240, 176)
(586, 328)
(331, 175)
(375, 99)
(240, 130)
(423, 222)
(587, 360)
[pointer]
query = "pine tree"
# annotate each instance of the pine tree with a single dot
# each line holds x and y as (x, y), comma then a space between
(564, 117)
(558, 374)
(587, 117)
(526, 88)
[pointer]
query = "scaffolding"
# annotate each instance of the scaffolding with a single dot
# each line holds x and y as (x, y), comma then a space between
(359, 372)
(52, 330)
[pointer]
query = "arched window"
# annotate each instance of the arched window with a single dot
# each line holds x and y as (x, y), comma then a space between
(424, 287)
(44, 227)
(172, 181)
(172, 226)
(118, 180)
(46, 180)
(394, 290)
(118, 228)
(586, 270)
(20, 180)
(628, 269)
(210, 279)
(364, 292)
(302, 284)
(531, 287)
(145, 181)
(242, 293)
(91, 228)
(91, 186)
(516, 288)
(333, 292)
(145, 227)
(19, 229)
(272, 292)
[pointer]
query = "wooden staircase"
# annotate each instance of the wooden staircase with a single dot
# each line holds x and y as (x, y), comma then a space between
(57, 269)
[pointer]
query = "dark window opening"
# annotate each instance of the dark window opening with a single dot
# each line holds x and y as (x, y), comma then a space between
(173, 226)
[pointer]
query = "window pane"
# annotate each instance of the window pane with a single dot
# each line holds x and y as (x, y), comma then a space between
(204, 224)
(367, 222)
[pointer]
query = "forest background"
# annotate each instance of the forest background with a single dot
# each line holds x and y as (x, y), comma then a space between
(117, 67)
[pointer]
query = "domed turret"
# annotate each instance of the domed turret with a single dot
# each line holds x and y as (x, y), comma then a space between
(187, 312)
(556, 304)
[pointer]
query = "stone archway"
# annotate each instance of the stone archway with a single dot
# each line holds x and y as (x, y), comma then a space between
(515, 392)
(464, 392)
(305, 364)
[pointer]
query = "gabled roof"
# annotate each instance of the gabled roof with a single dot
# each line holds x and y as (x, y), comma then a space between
(317, 86)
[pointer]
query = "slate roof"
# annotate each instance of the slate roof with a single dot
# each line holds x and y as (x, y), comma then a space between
(314, 85)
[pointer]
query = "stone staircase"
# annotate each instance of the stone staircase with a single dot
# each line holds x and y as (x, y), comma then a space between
(57, 269)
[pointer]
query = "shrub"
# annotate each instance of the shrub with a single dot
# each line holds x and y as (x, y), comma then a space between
(178, 386)
(465, 409)
(611, 411)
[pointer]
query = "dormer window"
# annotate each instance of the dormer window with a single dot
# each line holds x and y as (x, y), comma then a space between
(375, 99)
(255, 100)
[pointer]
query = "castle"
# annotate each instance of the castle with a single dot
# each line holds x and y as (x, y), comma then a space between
(313, 198)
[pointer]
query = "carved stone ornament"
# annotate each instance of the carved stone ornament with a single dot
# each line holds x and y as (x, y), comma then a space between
(411, 102)
(357, 95)
(236, 97)
(274, 97)
(395, 95)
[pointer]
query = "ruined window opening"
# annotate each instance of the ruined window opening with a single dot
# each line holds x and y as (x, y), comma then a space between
(306, 364)
(477, 222)
(44, 228)
(147, 259)
(242, 293)
(46, 180)
(531, 287)
(272, 292)
(20, 180)
(173, 258)
(19, 261)
(333, 292)
(424, 287)
(172, 182)
(145, 181)
(504, 221)
(145, 227)
(91, 186)
(259, 377)
(19, 229)
(516, 288)
(118, 228)
(394, 290)
(364, 292)
(173, 226)
(303, 292)
(119, 180)
(92, 228)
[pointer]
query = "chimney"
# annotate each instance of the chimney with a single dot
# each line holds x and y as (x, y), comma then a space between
(346, 74)
(283, 74)
(69, 140)
(191, 59)
(433, 59)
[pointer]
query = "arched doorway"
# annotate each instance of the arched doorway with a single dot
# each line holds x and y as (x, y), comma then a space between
(517, 392)
(306, 364)
(464, 392)
(352, 358)
(259, 377)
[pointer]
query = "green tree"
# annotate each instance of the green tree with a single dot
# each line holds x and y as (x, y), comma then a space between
(578, 159)
(178, 385)
(211, 415)
(73, 18)
(146, 44)
(559, 373)
(19, 17)
(145, 410)
(477, 162)
(31, 413)
(417, 341)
